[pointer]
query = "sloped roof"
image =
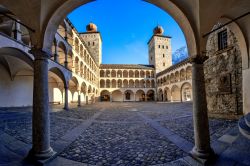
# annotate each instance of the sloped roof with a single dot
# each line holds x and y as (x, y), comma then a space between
(126, 66)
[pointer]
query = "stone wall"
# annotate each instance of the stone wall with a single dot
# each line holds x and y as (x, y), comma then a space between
(223, 77)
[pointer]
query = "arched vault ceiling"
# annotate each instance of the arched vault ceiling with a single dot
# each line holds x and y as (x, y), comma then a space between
(195, 17)
(13, 65)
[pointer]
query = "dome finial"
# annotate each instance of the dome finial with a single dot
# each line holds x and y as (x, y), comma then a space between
(91, 27)
(158, 30)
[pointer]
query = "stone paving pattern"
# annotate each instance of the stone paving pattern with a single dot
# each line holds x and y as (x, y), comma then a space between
(117, 135)
(184, 127)
(122, 144)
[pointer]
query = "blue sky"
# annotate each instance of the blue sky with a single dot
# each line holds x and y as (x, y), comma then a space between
(126, 26)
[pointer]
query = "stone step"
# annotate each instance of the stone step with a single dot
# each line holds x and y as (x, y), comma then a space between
(244, 128)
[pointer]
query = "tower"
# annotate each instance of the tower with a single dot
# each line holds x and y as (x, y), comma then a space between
(93, 42)
(159, 47)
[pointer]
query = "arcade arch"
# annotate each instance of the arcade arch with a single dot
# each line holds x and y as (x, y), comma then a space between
(105, 95)
(140, 95)
(117, 96)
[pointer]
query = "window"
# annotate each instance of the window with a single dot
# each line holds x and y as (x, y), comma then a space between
(159, 46)
(93, 43)
(166, 47)
(163, 55)
(162, 46)
(222, 40)
(163, 64)
(88, 43)
(151, 58)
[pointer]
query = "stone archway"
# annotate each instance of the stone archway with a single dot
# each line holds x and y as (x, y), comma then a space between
(16, 72)
(105, 95)
(176, 93)
(167, 94)
(117, 95)
(129, 95)
(150, 95)
(52, 19)
(73, 88)
(170, 7)
(160, 95)
(186, 92)
(140, 95)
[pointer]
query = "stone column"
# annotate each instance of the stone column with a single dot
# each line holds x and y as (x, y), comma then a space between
(87, 100)
(135, 97)
(110, 97)
(41, 149)
(56, 53)
(66, 60)
(182, 96)
(17, 32)
(202, 149)
(79, 99)
(66, 95)
(66, 35)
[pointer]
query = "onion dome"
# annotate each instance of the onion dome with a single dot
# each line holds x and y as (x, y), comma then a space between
(158, 30)
(91, 27)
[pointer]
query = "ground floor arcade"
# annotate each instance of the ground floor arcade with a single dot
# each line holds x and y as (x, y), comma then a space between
(125, 95)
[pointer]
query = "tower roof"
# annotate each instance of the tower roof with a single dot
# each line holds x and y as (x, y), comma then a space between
(91, 27)
(158, 30)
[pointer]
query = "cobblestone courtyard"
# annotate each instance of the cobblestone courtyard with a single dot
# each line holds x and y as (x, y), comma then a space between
(111, 134)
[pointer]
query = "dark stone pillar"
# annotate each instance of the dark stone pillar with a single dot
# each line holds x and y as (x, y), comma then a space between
(79, 99)
(66, 102)
(87, 100)
(41, 149)
(202, 149)
(66, 64)
(66, 60)
(56, 53)
(111, 97)
(66, 35)
(17, 32)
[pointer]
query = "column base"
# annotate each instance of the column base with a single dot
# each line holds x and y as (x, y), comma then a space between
(42, 157)
(244, 126)
(203, 156)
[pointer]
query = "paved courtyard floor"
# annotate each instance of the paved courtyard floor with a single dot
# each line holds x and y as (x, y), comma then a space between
(119, 134)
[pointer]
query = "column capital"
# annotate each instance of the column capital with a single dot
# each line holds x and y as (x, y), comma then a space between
(39, 53)
(198, 59)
